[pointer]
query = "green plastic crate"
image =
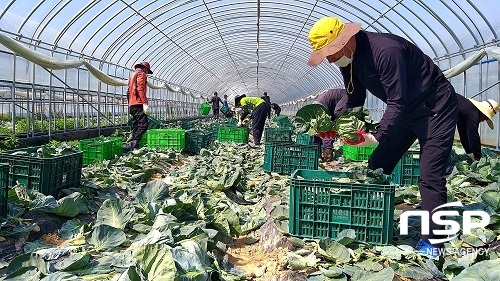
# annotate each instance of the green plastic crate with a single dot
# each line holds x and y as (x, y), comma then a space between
(205, 108)
(96, 149)
(232, 134)
(153, 123)
(304, 139)
(166, 138)
(357, 153)
(117, 145)
(144, 140)
(277, 135)
(321, 207)
(187, 125)
(407, 171)
(198, 139)
(4, 188)
(213, 133)
(283, 121)
(286, 158)
(232, 121)
(46, 175)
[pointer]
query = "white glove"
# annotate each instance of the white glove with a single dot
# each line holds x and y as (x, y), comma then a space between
(239, 124)
(145, 108)
(366, 139)
(471, 156)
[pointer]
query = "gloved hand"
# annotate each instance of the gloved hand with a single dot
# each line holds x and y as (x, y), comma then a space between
(471, 156)
(243, 123)
(327, 135)
(145, 108)
(366, 139)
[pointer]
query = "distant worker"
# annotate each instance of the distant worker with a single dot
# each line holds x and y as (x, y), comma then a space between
(334, 101)
(268, 101)
(470, 114)
(138, 102)
(276, 108)
(215, 105)
(225, 108)
(260, 110)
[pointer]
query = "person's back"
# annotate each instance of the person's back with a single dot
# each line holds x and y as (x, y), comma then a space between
(215, 105)
(334, 100)
(215, 101)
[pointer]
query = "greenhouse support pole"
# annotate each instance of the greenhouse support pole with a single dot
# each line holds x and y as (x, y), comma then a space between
(13, 96)
(50, 105)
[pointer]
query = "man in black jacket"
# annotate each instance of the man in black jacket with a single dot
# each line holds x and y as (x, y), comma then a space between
(215, 104)
(421, 104)
(470, 114)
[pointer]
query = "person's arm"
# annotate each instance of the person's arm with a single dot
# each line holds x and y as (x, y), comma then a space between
(392, 67)
(472, 131)
(142, 81)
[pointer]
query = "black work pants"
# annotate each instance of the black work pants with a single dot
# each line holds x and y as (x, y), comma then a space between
(139, 122)
(259, 116)
(435, 132)
(215, 110)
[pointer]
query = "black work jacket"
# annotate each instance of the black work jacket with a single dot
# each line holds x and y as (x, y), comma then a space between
(395, 71)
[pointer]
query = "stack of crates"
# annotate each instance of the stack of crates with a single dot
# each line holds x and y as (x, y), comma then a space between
(407, 171)
(45, 175)
(198, 139)
(97, 149)
(322, 206)
(166, 138)
(284, 158)
(277, 135)
(4, 188)
(228, 133)
(357, 153)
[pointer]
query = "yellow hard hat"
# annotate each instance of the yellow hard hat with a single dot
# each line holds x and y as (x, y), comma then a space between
(328, 36)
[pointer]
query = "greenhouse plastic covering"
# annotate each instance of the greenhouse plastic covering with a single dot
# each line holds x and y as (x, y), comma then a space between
(235, 47)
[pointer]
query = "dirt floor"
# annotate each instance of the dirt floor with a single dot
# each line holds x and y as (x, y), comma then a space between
(256, 263)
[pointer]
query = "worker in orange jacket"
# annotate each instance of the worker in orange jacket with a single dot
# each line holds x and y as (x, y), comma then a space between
(138, 102)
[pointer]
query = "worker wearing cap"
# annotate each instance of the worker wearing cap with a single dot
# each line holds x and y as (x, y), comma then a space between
(276, 108)
(334, 101)
(470, 114)
(138, 102)
(260, 110)
(421, 103)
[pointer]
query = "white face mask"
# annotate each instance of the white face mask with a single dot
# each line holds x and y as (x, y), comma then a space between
(343, 61)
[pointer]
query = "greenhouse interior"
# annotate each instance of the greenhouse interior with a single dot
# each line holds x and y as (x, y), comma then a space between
(249, 140)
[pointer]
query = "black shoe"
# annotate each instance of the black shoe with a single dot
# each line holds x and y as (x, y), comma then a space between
(133, 145)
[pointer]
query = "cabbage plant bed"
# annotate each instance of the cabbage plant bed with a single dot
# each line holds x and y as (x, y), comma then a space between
(164, 215)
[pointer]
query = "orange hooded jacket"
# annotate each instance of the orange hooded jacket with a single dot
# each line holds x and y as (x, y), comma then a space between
(137, 88)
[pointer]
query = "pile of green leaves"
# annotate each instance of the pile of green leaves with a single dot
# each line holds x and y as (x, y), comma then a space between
(49, 151)
(146, 230)
(313, 119)
(353, 119)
